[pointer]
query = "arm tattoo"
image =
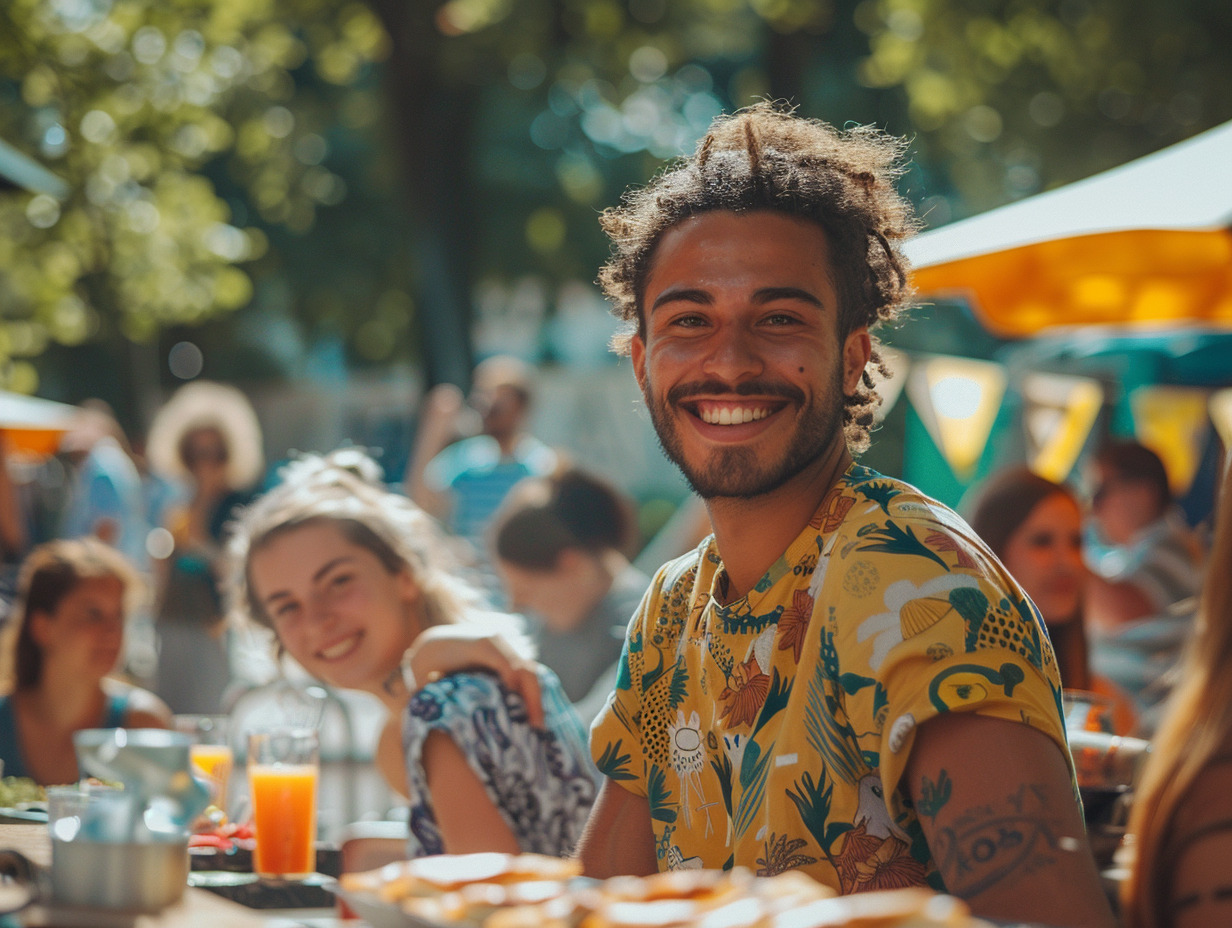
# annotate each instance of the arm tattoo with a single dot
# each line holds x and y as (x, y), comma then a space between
(984, 845)
(934, 795)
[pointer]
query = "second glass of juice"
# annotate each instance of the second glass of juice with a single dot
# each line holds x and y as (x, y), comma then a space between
(283, 770)
(211, 754)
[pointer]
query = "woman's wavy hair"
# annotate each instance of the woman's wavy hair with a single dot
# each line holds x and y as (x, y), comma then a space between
(765, 158)
(50, 573)
(1195, 729)
(343, 488)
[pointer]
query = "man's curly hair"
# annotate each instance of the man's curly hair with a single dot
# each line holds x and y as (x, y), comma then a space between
(766, 158)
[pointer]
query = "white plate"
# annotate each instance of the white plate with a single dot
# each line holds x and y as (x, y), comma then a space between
(380, 914)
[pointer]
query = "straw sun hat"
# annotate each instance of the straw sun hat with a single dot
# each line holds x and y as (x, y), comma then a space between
(204, 404)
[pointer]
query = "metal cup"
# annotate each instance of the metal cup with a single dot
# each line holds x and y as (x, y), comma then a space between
(95, 863)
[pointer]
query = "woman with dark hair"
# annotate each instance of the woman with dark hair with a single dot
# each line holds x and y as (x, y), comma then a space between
(561, 546)
(1035, 527)
(65, 637)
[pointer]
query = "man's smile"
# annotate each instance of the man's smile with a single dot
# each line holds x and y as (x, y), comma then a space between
(714, 412)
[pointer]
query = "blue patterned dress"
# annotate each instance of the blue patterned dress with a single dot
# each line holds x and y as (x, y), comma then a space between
(542, 780)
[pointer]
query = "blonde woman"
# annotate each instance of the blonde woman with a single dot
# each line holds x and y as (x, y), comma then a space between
(348, 576)
(1182, 817)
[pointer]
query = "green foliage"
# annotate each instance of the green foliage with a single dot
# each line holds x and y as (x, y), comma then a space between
(133, 104)
(1014, 96)
(205, 141)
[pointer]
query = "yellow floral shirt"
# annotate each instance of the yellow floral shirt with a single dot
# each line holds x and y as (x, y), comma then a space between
(772, 732)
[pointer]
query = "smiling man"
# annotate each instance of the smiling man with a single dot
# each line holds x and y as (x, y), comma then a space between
(842, 679)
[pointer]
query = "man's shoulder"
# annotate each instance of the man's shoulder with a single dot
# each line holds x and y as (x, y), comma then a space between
(864, 495)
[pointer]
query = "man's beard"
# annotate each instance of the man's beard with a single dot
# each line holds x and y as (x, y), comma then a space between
(741, 472)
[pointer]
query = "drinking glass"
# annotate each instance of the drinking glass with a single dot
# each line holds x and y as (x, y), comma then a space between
(283, 771)
(211, 754)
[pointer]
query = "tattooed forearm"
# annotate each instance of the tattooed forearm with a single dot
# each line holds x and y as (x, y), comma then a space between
(982, 846)
(934, 795)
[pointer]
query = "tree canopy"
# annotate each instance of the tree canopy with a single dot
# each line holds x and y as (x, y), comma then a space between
(351, 169)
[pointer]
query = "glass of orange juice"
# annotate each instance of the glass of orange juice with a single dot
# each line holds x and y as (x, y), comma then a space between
(283, 770)
(211, 754)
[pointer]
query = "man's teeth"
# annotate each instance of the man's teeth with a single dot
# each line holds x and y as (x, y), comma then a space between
(728, 415)
(339, 649)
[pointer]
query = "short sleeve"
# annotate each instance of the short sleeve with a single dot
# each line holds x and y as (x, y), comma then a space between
(481, 719)
(615, 735)
(934, 624)
(992, 683)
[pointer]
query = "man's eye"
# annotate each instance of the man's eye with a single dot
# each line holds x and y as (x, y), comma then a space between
(689, 321)
(778, 319)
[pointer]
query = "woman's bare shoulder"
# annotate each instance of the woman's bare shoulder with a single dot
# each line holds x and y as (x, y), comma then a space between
(142, 708)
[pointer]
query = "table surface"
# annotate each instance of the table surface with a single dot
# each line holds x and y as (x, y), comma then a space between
(198, 909)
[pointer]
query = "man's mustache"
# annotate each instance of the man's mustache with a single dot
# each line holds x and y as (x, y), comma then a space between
(686, 391)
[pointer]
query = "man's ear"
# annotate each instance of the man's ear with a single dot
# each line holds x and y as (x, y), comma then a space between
(637, 354)
(857, 349)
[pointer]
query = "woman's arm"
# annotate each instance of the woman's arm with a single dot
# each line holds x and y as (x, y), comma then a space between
(466, 816)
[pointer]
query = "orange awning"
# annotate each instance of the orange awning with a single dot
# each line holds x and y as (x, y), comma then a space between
(1143, 245)
(32, 425)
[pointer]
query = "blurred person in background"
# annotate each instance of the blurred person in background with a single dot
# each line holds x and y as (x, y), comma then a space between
(1146, 570)
(13, 531)
(562, 546)
(348, 576)
(1143, 557)
(463, 480)
(206, 443)
(1181, 823)
(1035, 527)
(12, 522)
(62, 646)
(105, 498)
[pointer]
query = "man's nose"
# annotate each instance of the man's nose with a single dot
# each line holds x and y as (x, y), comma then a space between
(733, 354)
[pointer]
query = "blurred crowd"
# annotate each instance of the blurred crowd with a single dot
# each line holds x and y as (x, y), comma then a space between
(182, 541)
(1109, 561)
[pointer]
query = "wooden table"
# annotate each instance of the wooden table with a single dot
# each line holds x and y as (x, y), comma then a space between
(198, 909)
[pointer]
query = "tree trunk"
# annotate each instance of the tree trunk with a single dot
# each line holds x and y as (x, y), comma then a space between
(430, 121)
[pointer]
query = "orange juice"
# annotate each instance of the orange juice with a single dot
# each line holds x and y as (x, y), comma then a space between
(284, 813)
(213, 762)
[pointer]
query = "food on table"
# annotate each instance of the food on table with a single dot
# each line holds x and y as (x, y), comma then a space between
(531, 891)
(16, 790)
